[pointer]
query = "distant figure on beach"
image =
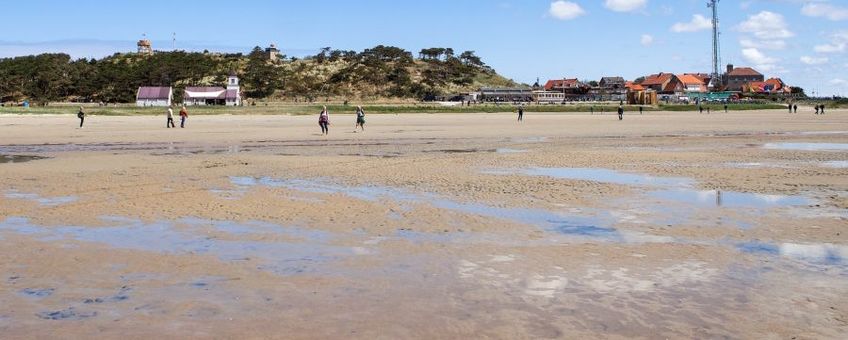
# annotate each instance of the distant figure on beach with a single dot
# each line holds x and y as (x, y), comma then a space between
(640, 109)
(725, 107)
(700, 109)
(521, 113)
(170, 123)
(81, 116)
(324, 121)
(620, 112)
(592, 109)
(360, 119)
(183, 117)
(817, 108)
(790, 108)
(822, 109)
(796, 108)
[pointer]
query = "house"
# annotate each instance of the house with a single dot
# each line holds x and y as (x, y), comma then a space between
(572, 89)
(229, 96)
(572, 86)
(613, 88)
(736, 78)
(490, 94)
(692, 83)
(663, 83)
(154, 96)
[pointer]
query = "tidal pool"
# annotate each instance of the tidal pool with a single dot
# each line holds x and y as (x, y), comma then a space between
(808, 146)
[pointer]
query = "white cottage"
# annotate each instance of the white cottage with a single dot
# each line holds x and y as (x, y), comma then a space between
(154, 96)
(229, 96)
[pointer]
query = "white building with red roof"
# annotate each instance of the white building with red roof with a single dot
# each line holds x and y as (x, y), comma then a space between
(211, 95)
(154, 96)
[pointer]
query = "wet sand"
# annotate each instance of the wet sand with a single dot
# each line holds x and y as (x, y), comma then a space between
(665, 225)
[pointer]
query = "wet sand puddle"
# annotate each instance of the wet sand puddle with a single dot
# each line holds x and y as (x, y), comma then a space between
(585, 225)
(294, 251)
(45, 201)
(807, 146)
(588, 226)
(671, 200)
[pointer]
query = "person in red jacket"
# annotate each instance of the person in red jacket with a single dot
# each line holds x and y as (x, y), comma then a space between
(183, 117)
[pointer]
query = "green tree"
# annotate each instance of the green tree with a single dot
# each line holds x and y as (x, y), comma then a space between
(261, 78)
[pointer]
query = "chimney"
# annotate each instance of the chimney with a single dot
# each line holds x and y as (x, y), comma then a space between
(729, 68)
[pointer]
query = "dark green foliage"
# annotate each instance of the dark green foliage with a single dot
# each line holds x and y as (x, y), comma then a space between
(381, 71)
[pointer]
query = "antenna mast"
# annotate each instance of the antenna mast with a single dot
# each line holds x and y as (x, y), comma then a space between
(716, 76)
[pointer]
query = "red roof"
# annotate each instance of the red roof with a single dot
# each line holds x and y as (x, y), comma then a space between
(153, 93)
(657, 79)
(744, 72)
(562, 83)
(689, 79)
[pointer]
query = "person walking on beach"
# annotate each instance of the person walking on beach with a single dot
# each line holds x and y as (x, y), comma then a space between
(817, 108)
(620, 112)
(521, 113)
(183, 117)
(324, 121)
(170, 123)
(790, 108)
(796, 108)
(81, 116)
(822, 108)
(640, 109)
(725, 107)
(360, 119)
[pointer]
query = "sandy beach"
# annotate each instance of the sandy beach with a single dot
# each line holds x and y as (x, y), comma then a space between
(663, 225)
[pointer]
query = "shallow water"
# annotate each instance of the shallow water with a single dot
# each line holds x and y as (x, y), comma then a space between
(547, 220)
(728, 199)
(836, 164)
(807, 146)
(819, 254)
(45, 201)
(674, 190)
(605, 176)
(184, 238)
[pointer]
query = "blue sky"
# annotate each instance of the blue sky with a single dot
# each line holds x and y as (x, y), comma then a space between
(805, 42)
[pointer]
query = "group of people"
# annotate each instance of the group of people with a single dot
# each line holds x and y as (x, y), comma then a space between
(183, 116)
(324, 116)
(324, 120)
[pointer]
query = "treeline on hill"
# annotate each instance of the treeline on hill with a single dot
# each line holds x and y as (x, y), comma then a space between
(379, 72)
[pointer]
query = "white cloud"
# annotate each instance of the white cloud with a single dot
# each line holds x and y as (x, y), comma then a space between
(759, 59)
(838, 43)
(647, 40)
(763, 44)
(766, 25)
(625, 5)
(698, 23)
(839, 82)
(814, 60)
(565, 10)
(825, 10)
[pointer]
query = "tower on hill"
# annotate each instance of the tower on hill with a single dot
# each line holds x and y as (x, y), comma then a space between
(145, 47)
(272, 53)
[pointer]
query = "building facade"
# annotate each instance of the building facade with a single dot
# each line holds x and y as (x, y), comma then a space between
(736, 78)
(228, 96)
(154, 96)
